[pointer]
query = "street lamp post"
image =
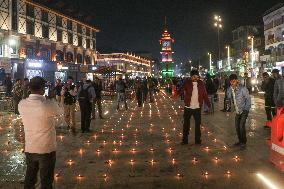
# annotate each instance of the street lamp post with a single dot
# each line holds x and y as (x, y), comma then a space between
(228, 53)
(252, 51)
(210, 62)
(218, 25)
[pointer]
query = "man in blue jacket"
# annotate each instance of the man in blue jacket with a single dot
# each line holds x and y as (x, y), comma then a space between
(239, 95)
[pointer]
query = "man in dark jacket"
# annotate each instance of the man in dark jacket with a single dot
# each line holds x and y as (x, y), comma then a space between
(247, 82)
(268, 87)
(210, 88)
(98, 89)
(195, 94)
(227, 102)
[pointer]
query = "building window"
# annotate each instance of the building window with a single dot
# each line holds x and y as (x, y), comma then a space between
(30, 27)
(59, 35)
(1, 50)
(70, 38)
(30, 10)
(58, 21)
(69, 24)
(59, 55)
(79, 29)
(44, 16)
(30, 53)
(79, 58)
(69, 57)
(45, 31)
(79, 41)
(88, 59)
(87, 32)
(45, 54)
(87, 43)
(14, 15)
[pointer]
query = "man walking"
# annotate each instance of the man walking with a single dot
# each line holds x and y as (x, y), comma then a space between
(242, 103)
(268, 87)
(195, 94)
(40, 135)
(17, 94)
(98, 89)
(121, 89)
(57, 90)
(86, 96)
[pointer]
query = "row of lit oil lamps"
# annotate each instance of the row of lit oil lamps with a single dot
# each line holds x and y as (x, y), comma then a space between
(134, 150)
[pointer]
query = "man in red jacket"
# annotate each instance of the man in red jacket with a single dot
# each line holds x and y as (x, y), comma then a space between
(195, 94)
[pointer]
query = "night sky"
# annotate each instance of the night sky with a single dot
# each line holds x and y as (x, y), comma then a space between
(137, 25)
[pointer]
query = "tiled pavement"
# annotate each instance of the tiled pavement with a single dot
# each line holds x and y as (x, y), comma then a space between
(139, 148)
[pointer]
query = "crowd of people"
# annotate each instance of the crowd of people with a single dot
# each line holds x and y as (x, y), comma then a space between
(37, 101)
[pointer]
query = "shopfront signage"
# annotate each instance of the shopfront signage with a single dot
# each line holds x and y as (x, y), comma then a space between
(73, 67)
(84, 68)
(34, 63)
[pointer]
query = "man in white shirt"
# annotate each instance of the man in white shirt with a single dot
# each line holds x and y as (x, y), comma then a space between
(194, 96)
(40, 135)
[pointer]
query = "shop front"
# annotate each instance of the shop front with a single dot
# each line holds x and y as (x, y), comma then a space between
(280, 67)
(40, 68)
(61, 71)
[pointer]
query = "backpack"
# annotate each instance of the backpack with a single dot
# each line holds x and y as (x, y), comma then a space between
(83, 96)
(68, 98)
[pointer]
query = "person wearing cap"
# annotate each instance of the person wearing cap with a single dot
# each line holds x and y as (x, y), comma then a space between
(275, 74)
(240, 97)
(268, 87)
(194, 96)
(38, 114)
(278, 93)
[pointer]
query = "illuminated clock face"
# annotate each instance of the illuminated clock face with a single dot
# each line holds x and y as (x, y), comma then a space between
(166, 44)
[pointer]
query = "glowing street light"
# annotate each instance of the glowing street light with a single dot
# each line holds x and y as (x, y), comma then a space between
(228, 53)
(252, 50)
(218, 24)
(210, 62)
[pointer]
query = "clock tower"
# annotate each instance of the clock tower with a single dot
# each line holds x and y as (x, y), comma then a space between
(166, 42)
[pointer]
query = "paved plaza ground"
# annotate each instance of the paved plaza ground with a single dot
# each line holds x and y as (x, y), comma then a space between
(140, 148)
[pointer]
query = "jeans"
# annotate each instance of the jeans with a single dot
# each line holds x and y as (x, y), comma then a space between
(240, 124)
(69, 115)
(86, 111)
(121, 97)
(211, 100)
(44, 163)
(16, 105)
(196, 113)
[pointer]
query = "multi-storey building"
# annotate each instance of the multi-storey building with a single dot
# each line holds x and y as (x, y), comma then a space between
(35, 40)
(125, 64)
(274, 35)
(246, 45)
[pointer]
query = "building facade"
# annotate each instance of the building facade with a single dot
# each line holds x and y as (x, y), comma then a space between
(274, 36)
(35, 40)
(125, 64)
(246, 46)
